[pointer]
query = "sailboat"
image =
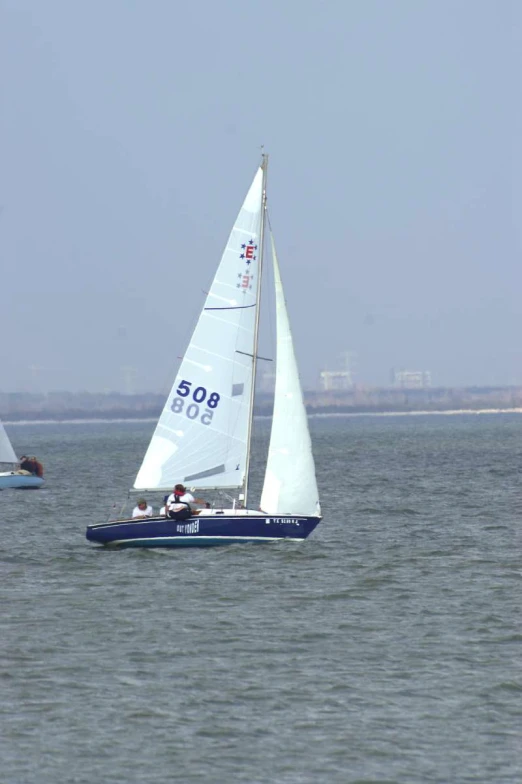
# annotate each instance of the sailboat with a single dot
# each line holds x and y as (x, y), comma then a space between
(14, 477)
(204, 433)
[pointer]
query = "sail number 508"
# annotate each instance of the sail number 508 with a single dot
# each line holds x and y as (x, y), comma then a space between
(199, 395)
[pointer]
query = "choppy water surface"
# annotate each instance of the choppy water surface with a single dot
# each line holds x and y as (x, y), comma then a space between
(386, 648)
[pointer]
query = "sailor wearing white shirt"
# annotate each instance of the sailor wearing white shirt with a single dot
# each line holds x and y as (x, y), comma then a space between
(142, 509)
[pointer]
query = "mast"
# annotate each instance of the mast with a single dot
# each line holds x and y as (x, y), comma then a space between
(264, 167)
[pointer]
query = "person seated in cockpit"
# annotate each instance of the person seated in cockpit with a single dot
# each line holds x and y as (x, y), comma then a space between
(32, 465)
(142, 509)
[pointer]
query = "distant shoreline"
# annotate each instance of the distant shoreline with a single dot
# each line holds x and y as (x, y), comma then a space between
(356, 401)
(311, 415)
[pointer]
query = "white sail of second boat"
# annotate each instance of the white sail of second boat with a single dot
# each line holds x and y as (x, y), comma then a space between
(290, 485)
(202, 434)
(7, 453)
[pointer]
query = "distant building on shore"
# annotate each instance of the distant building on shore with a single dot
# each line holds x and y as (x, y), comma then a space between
(411, 379)
(338, 380)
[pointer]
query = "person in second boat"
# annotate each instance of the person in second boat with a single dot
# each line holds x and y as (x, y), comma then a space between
(142, 509)
(32, 465)
(178, 504)
(26, 464)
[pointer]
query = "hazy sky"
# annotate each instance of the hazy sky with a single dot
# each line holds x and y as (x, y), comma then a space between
(130, 132)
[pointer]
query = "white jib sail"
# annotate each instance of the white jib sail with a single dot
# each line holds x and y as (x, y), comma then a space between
(7, 453)
(201, 436)
(290, 486)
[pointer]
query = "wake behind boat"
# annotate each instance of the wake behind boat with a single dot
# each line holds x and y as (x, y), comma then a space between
(203, 436)
(18, 476)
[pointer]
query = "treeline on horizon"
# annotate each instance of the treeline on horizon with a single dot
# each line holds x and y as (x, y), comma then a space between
(18, 406)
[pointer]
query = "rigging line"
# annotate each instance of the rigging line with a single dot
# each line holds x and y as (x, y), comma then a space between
(246, 354)
(263, 169)
(235, 307)
(269, 277)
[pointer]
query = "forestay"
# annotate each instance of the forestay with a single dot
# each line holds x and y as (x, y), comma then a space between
(201, 436)
(7, 453)
(290, 486)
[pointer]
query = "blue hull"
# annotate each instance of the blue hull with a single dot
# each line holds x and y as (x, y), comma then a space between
(204, 531)
(20, 481)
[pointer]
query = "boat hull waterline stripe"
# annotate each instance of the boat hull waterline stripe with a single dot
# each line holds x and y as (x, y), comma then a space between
(200, 541)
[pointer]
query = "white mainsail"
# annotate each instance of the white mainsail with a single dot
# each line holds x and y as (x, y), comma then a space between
(202, 434)
(7, 453)
(290, 486)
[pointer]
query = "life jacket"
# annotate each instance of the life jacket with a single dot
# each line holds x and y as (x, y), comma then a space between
(180, 514)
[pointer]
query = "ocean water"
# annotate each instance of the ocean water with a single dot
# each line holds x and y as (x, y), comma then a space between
(386, 648)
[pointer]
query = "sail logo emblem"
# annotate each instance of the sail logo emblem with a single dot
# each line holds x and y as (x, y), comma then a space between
(246, 281)
(248, 251)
